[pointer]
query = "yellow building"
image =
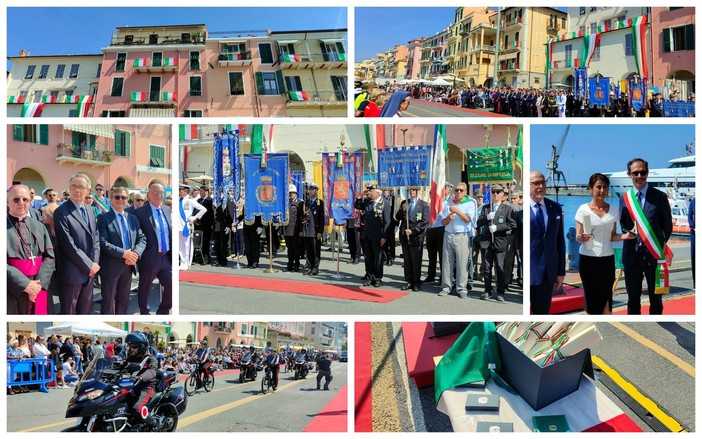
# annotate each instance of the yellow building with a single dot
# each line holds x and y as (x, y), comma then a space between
(475, 45)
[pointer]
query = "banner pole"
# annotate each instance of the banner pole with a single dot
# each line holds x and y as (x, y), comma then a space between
(270, 248)
(334, 229)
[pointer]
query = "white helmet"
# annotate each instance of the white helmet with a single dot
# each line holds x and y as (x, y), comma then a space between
(292, 188)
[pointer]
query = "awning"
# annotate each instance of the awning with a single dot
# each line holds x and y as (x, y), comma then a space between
(332, 40)
(103, 130)
(152, 112)
(287, 41)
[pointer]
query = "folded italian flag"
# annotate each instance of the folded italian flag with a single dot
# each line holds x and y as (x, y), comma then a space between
(138, 96)
(32, 110)
(299, 96)
(168, 96)
(48, 99)
(141, 62)
(83, 105)
(15, 100)
(170, 62)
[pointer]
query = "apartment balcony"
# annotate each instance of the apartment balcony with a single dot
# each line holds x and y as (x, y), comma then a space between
(161, 40)
(72, 154)
(222, 329)
(552, 27)
(299, 61)
(454, 38)
(156, 99)
(163, 65)
(484, 48)
(565, 64)
(489, 29)
(509, 67)
(514, 46)
(228, 59)
(304, 99)
(513, 22)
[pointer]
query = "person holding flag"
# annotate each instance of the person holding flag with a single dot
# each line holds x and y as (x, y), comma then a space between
(190, 211)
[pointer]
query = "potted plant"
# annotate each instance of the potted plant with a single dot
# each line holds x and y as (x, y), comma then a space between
(63, 148)
(196, 36)
(107, 155)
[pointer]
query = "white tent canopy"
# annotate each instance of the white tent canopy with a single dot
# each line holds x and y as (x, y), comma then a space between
(85, 328)
(440, 81)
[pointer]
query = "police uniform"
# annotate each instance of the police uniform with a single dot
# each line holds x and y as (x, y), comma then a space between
(292, 231)
(376, 219)
(312, 224)
(190, 211)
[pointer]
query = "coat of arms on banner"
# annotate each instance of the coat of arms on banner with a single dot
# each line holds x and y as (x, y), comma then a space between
(267, 193)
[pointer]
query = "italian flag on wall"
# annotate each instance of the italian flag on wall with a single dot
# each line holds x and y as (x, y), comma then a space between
(188, 132)
(15, 100)
(638, 31)
(72, 99)
(138, 96)
(170, 62)
(141, 62)
(291, 57)
(168, 96)
(48, 99)
(83, 105)
(590, 43)
(299, 96)
(32, 110)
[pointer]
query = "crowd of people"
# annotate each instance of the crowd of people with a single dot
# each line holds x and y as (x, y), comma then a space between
(92, 238)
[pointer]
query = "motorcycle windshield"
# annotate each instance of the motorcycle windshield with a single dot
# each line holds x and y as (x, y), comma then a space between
(96, 369)
(300, 357)
(247, 357)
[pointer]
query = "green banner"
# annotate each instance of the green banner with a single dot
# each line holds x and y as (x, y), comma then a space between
(489, 165)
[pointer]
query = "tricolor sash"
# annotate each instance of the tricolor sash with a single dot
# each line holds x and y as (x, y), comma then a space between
(649, 238)
(101, 205)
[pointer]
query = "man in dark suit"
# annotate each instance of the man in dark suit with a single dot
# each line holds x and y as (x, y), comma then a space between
(292, 230)
(413, 218)
(121, 245)
(312, 229)
(78, 249)
(636, 257)
(547, 245)
(376, 221)
(155, 222)
(205, 223)
(223, 220)
(656, 105)
(138, 199)
(497, 217)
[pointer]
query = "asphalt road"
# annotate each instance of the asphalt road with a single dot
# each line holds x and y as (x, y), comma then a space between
(133, 308)
(206, 299)
(664, 372)
(230, 407)
(422, 108)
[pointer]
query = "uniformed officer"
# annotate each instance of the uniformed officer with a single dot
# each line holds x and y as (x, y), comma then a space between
(292, 230)
(497, 216)
(376, 220)
(190, 211)
(312, 228)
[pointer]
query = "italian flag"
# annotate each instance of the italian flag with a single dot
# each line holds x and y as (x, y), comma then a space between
(84, 105)
(188, 132)
(291, 57)
(638, 31)
(342, 57)
(603, 28)
(168, 96)
(138, 96)
(590, 43)
(32, 110)
(72, 99)
(170, 62)
(438, 172)
(299, 96)
(141, 62)
(15, 100)
(48, 99)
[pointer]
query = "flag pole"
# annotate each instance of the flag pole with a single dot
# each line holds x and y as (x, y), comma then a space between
(270, 248)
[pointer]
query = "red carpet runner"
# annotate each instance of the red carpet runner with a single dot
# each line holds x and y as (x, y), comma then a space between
(420, 350)
(334, 415)
(363, 380)
(377, 295)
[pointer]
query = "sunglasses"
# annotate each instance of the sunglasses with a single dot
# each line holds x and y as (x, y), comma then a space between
(139, 200)
(459, 190)
(496, 192)
(119, 197)
(98, 188)
(20, 200)
(637, 173)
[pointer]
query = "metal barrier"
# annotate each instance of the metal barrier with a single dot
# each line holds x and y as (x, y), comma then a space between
(30, 371)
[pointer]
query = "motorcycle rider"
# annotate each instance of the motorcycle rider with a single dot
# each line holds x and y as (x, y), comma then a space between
(138, 353)
(324, 368)
(272, 360)
(203, 359)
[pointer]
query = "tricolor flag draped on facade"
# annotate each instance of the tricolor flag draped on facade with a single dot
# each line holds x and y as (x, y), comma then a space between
(638, 32)
(297, 96)
(32, 109)
(438, 173)
(139, 96)
(590, 43)
(141, 62)
(48, 99)
(168, 96)
(188, 132)
(83, 105)
(15, 100)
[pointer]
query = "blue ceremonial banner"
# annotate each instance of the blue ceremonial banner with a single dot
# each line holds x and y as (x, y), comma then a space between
(404, 166)
(226, 166)
(637, 93)
(599, 92)
(341, 185)
(298, 179)
(678, 109)
(580, 82)
(266, 188)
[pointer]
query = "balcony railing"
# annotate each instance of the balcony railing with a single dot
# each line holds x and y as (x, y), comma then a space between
(165, 40)
(311, 60)
(511, 47)
(235, 57)
(160, 65)
(484, 48)
(316, 98)
(513, 22)
(154, 98)
(509, 66)
(68, 152)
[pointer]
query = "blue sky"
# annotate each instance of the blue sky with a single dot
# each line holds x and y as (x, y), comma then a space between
(607, 148)
(73, 31)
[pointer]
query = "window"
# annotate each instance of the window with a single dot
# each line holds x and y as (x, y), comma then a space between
(596, 53)
(32, 134)
(581, 29)
(54, 93)
(119, 113)
(243, 328)
(313, 330)
(293, 83)
(568, 52)
(608, 24)
(236, 83)
(195, 60)
(74, 71)
(122, 143)
(157, 59)
(679, 38)
(37, 96)
(128, 39)
(59, 71)
(195, 86)
(117, 84)
(155, 89)
(153, 39)
(121, 61)
(44, 72)
(72, 113)
(30, 72)
(340, 88)
(628, 44)
(582, 11)
(192, 113)
(157, 156)
(333, 51)
(593, 28)
(97, 74)
(234, 48)
(269, 83)
(287, 49)
(593, 8)
(265, 53)
(185, 37)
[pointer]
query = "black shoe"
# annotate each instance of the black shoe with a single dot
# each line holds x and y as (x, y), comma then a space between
(367, 283)
(255, 265)
(484, 296)
(406, 287)
(308, 272)
(365, 276)
(247, 266)
(314, 272)
(287, 269)
(377, 283)
(296, 269)
(355, 261)
(469, 287)
(415, 288)
(429, 279)
(326, 388)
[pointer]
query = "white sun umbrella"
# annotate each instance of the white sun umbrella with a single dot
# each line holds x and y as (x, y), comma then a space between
(440, 81)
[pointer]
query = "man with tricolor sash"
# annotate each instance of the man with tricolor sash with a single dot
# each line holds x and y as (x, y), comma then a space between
(645, 211)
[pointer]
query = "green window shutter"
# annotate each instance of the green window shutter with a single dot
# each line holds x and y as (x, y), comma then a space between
(340, 47)
(91, 142)
(127, 144)
(43, 134)
(690, 37)
(118, 142)
(666, 40)
(281, 82)
(19, 132)
(325, 57)
(76, 144)
(259, 83)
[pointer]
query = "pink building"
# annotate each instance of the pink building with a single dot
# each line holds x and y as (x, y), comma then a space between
(673, 52)
(154, 71)
(220, 334)
(414, 55)
(43, 156)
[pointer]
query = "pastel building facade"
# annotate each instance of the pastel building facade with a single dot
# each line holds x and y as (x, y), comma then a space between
(673, 50)
(475, 45)
(414, 54)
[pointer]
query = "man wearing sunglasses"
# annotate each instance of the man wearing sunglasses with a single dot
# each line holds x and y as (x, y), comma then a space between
(121, 245)
(657, 221)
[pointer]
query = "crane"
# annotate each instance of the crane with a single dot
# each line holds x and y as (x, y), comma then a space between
(554, 175)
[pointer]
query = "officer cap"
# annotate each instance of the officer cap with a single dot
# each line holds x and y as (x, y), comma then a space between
(184, 186)
(312, 186)
(478, 193)
(498, 188)
(371, 186)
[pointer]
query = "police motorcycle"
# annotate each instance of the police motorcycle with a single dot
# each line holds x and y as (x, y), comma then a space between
(101, 399)
(302, 366)
(248, 369)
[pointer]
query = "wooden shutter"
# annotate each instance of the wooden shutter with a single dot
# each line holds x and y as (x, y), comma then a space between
(690, 37)
(19, 132)
(43, 134)
(666, 40)
(280, 81)
(259, 83)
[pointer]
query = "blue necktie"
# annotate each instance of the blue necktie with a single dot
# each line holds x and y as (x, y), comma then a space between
(126, 242)
(540, 219)
(411, 205)
(164, 240)
(84, 214)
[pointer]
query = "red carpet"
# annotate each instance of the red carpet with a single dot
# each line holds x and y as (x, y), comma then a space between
(295, 287)
(572, 300)
(465, 110)
(333, 417)
(420, 350)
(682, 306)
(363, 379)
(621, 423)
